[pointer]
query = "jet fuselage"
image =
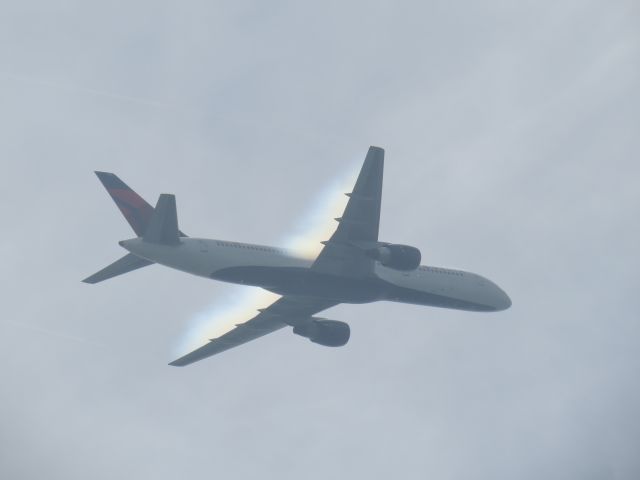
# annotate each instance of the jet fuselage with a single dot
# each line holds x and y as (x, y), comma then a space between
(284, 273)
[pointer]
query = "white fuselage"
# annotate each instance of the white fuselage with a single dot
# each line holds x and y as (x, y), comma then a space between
(279, 271)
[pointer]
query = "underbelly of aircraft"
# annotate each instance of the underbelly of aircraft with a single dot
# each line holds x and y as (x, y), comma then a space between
(421, 297)
(305, 282)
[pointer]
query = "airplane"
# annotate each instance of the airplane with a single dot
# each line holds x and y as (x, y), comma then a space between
(352, 267)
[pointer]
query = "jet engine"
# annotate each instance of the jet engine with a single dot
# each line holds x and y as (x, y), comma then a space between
(329, 333)
(398, 257)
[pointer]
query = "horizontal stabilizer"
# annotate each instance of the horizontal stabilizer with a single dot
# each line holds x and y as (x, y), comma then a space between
(163, 225)
(126, 264)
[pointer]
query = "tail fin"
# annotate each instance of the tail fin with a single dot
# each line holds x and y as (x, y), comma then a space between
(134, 208)
(126, 264)
(163, 226)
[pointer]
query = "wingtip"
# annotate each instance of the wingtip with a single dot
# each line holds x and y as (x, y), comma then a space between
(89, 280)
(375, 156)
(180, 362)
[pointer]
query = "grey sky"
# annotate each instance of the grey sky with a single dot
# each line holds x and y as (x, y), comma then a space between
(511, 131)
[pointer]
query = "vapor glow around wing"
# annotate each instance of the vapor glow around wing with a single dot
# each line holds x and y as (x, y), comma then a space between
(319, 224)
(242, 303)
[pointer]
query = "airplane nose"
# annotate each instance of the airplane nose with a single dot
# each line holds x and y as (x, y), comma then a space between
(502, 300)
(494, 298)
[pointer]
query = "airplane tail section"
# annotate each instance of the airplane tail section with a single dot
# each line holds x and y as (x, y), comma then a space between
(126, 264)
(163, 225)
(134, 208)
(155, 225)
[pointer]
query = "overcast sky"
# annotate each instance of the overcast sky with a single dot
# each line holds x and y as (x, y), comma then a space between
(511, 133)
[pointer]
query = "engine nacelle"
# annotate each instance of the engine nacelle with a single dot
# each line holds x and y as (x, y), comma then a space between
(398, 257)
(329, 333)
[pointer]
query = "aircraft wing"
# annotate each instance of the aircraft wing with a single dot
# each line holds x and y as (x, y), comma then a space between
(358, 225)
(287, 310)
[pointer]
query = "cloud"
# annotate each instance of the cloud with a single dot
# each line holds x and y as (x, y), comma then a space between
(511, 141)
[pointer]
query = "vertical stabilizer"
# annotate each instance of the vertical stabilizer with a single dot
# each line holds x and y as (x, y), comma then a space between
(163, 225)
(135, 209)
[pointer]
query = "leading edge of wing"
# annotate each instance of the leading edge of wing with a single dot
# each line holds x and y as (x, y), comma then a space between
(283, 312)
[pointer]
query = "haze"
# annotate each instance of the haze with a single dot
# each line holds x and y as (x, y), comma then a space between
(511, 135)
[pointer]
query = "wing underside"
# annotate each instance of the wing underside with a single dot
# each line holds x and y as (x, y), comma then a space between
(359, 225)
(286, 311)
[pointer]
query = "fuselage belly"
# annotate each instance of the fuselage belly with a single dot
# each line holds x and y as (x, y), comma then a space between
(278, 271)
